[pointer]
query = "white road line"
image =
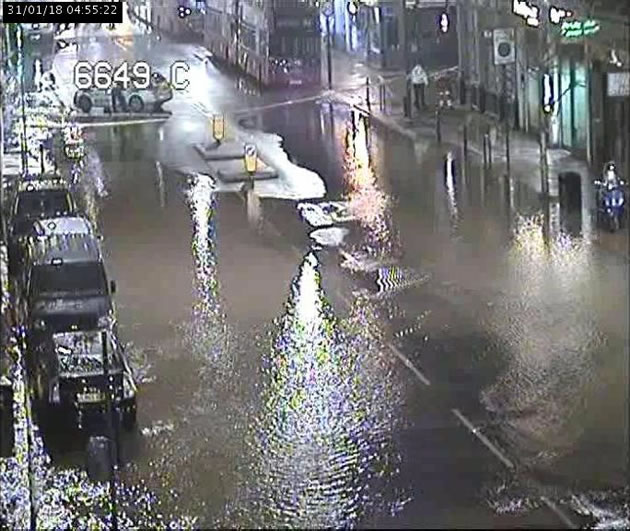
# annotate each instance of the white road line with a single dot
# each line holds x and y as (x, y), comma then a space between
(409, 365)
(483, 438)
(559, 513)
(126, 48)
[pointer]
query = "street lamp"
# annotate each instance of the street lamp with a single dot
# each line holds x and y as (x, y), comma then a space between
(328, 11)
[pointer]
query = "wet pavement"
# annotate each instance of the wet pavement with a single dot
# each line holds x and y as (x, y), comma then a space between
(274, 392)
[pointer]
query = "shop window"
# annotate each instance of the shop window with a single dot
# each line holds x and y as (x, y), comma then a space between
(580, 102)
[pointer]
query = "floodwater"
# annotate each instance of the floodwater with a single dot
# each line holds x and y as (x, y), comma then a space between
(269, 391)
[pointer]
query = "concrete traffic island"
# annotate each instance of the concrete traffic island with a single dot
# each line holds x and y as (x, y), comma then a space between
(225, 161)
(231, 150)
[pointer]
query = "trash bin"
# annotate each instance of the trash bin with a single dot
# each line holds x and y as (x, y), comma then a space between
(570, 198)
(570, 190)
(100, 456)
(7, 433)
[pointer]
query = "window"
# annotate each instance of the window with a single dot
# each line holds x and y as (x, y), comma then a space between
(248, 37)
(47, 203)
(82, 279)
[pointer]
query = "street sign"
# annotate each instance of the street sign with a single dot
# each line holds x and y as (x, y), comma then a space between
(504, 49)
(618, 84)
(576, 29)
(251, 158)
(218, 127)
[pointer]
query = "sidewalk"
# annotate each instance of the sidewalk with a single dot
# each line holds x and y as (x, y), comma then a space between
(524, 149)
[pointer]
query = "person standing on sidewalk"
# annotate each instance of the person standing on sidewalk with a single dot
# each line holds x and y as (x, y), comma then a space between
(419, 80)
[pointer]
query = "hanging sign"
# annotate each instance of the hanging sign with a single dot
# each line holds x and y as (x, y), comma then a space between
(576, 29)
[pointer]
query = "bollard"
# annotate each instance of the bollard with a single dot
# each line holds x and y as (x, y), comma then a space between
(465, 141)
(381, 97)
(438, 125)
(367, 94)
(488, 147)
(407, 106)
(486, 151)
(41, 158)
(507, 149)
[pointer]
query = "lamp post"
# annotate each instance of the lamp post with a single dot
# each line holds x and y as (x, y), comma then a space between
(328, 11)
(112, 422)
(405, 50)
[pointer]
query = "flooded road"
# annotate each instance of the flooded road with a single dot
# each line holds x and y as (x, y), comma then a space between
(278, 388)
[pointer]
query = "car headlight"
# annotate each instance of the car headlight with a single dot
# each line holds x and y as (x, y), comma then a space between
(53, 393)
(39, 324)
(129, 387)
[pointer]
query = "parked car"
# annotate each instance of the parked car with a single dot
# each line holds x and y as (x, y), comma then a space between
(44, 197)
(73, 372)
(136, 100)
(64, 281)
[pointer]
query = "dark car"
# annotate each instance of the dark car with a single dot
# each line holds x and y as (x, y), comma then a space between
(64, 281)
(71, 376)
(35, 199)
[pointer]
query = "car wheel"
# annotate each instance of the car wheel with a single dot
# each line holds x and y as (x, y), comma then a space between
(84, 103)
(136, 104)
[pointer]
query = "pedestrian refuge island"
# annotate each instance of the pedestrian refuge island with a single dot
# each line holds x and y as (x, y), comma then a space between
(225, 161)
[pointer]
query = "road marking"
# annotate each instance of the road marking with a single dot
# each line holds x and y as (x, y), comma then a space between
(488, 444)
(120, 45)
(409, 365)
(559, 513)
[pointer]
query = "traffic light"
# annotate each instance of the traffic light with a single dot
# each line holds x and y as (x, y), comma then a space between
(547, 94)
(444, 22)
(184, 11)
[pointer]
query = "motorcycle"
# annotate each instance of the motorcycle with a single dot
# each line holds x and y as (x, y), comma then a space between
(611, 205)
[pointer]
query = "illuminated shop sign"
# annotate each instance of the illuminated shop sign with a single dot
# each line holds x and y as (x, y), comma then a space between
(575, 29)
(528, 11)
(531, 12)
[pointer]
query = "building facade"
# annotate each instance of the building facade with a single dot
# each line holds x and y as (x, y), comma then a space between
(586, 96)
(377, 33)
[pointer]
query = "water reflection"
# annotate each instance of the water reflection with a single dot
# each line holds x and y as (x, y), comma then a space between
(449, 182)
(367, 202)
(547, 321)
(322, 440)
(208, 319)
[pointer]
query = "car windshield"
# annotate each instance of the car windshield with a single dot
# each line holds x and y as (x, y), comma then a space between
(83, 353)
(84, 279)
(43, 203)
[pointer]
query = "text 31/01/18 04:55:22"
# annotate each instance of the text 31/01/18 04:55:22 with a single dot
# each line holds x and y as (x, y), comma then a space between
(63, 12)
